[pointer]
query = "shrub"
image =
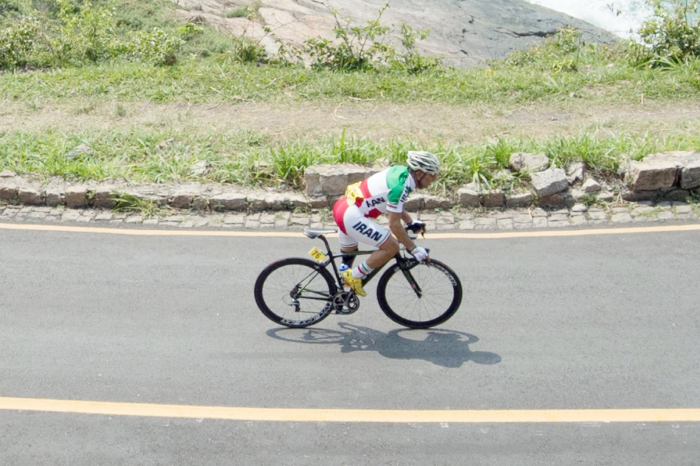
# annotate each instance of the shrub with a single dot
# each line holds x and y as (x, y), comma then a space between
(17, 43)
(672, 34)
(78, 35)
(559, 52)
(365, 47)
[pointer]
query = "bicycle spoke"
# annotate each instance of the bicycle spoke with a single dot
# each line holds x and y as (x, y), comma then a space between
(440, 296)
(294, 292)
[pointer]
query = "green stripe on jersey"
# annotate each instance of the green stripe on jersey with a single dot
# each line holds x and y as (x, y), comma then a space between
(396, 181)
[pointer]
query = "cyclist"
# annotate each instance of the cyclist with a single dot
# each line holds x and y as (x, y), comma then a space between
(383, 192)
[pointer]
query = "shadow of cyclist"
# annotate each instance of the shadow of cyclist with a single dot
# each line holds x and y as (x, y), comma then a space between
(446, 348)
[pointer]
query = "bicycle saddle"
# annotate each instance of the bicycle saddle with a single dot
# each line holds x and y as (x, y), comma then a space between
(313, 234)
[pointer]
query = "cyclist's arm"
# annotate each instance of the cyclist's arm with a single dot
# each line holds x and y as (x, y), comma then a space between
(398, 229)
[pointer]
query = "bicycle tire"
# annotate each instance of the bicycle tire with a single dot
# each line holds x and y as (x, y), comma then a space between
(276, 283)
(441, 288)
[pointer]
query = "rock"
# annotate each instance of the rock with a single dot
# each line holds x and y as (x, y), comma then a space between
(578, 194)
(639, 196)
(563, 199)
(579, 208)
(690, 174)
(321, 202)
(414, 203)
(183, 196)
(30, 195)
(664, 170)
(7, 174)
(650, 176)
(228, 201)
(257, 202)
(591, 186)
(76, 196)
(518, 200)
(200, 168)
(676, 195)
(606, 196)
(8, 188)
(465, 32)
(469, 196)
(575, 172)
(549, 182)
(493, 199)
(162, 145)
(56, 193)
(200, 203)
(332, 180)
(435, 202)
(531, 163)
(104, 196)
(82, 149)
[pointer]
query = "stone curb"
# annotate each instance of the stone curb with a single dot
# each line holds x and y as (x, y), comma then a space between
(462, 220)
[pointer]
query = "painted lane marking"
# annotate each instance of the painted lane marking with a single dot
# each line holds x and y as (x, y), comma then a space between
(291, 234)
(351, 415)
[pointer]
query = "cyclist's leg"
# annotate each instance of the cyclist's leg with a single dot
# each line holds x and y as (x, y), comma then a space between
(347, 244)
(357, 228)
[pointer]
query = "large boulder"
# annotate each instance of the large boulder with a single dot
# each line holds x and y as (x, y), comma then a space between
(465, 32)
(665, 170)
(332, 180)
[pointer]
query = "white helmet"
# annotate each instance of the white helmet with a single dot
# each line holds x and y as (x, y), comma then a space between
(423, 161)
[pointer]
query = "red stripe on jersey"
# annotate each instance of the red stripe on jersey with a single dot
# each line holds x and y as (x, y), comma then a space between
(339, 208)
(364, 187)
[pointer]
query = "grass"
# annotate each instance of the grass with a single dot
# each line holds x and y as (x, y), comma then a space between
(252, 159)
(220, 79)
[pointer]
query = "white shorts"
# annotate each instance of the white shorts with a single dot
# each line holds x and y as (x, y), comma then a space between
(355, 228)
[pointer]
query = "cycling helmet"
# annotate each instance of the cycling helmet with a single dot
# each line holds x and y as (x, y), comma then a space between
(423, 161)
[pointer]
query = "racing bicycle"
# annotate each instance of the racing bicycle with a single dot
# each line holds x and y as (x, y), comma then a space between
(298, 292)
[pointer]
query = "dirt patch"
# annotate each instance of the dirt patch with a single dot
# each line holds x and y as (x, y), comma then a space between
(446, 123)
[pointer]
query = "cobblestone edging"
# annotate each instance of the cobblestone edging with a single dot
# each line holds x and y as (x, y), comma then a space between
(446, 220)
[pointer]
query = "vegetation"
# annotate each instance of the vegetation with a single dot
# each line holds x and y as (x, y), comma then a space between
(252, 159)
(59, 51)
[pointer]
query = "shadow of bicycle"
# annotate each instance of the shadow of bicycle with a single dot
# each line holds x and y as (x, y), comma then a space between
(446, 348)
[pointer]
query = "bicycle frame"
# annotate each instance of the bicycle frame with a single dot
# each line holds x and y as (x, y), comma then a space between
(403, 264)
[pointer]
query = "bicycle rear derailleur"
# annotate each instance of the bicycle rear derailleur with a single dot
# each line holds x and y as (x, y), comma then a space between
(346, 302)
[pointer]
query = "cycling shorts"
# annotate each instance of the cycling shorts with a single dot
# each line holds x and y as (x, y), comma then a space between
(355, 228)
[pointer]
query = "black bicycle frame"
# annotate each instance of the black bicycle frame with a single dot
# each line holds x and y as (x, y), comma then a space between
(400, 260)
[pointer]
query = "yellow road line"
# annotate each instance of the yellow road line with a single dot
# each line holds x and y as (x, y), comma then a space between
(291, 234)
(351, 415)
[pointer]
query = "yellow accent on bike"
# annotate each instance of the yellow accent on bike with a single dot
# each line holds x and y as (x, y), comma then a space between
(317, 254)
(354, 283)
(352, 192)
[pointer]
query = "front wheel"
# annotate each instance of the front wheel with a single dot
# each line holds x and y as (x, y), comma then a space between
(295, 292)
(422, 295)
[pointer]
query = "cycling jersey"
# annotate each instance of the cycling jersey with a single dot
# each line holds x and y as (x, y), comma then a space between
(385, 191)
(382, 192)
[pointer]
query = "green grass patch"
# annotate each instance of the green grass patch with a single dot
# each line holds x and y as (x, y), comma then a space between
(251, 159)
(224, 80)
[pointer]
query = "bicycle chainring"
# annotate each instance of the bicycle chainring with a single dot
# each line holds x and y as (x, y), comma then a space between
(346, 303)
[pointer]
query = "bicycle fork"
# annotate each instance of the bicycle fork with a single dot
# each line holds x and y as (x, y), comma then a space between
(407, 273)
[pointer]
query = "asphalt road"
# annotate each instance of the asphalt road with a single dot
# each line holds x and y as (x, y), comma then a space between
(546, 323)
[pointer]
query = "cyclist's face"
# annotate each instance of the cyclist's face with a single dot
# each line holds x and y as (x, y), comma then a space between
(423, 180)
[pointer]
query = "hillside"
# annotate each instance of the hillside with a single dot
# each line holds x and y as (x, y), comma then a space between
(467, 32)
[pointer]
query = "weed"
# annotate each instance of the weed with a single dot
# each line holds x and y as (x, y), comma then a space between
(125, 202)
(120, 111)
(241, 12)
